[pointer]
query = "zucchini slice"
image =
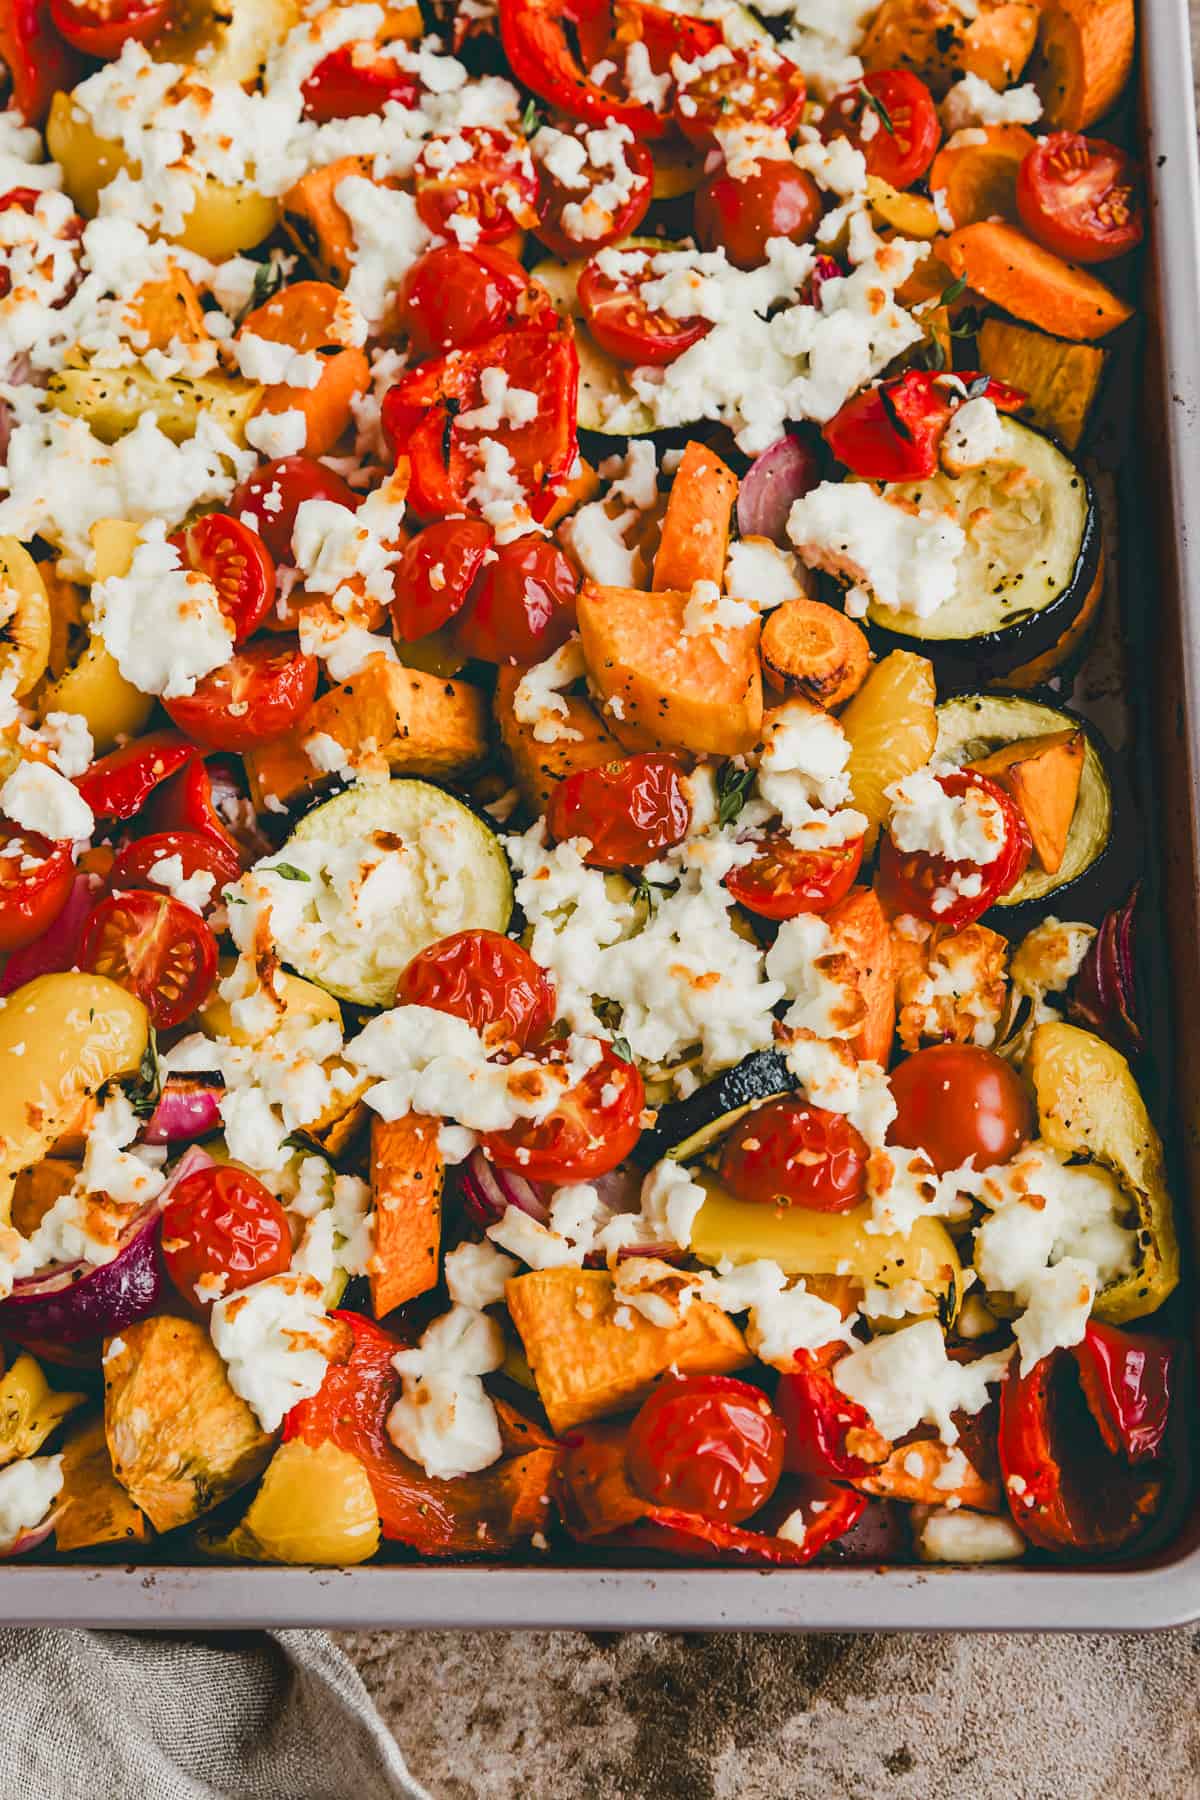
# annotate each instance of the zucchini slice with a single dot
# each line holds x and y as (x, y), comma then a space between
(440, 869)
(684, 1128)
(607, 403)
(1033, 545)
(973, 725)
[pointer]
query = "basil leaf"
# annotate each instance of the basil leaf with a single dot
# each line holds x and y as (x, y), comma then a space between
(289, 872)
(733, 791)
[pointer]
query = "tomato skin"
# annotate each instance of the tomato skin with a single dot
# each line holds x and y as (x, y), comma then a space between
(354, 82)
(223, 1221)
(31, 899)
(496, 187)
(747, 87)
(911, 881)
(156, 947)
(790, 1153)
(38, 59)
(623, 324)
(195, 851)
(818, 1419)
(584, 1136)
(707, 1444)
(522, 606)
(780, 201)
(629, 810)
(782, 882)
(435, 573)
(1077, 196)
(451, 298)
(553, 198)
(187, 803)
(487, 979)
(903, 154)
(274, 493)
(260, 693)
(101, 27)
(118, 785)
(237, 562)
(543, 57)
(959, 1100)
(1128, 1381)
(893, 431)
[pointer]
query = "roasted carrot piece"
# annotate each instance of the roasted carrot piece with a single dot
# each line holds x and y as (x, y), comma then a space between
(538, 768)
(1013, 272)
(168, 310)
(812, 649)
(940, 40)
(695, 529)
(979, 178)
(407, 1175)
(859, 926)
(1083, 58)
(313, 316)
(316, 223)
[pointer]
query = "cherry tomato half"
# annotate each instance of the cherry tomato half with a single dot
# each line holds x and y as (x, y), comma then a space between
(749, 85)
(624, 324)
(742, 216)
(36, 877)
(890, 116)
(1078, 197)
(487, 979)
(118, 785)
(236, 561)
(600, 203)
(492, 192)
(593, 1128)
(783, 881)
(522, 607)
(260, 693)
(434, 575)
(198, 854)
(156, 947)
(893, 430)
(707, 1444)
(101, 27)
(452, 297)
(223, 1230)
(959, 1100)
(629, 811)
(275, 492)
(957, 892)
(355, 81)
(790, 1153)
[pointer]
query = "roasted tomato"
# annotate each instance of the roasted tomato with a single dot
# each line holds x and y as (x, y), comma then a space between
(156, 947)
(38, 60)
(198, 855)
(36, 877)
(223, 1230)
(435, 573)
(486, 979)
(742, 216)
(101, 27)
(119, 784)
(594, 1126)
(551, 44)
(747, 85)
(357, 80)
(257, 695)
(451, 297)
(890, 116)
(959, 1100)
(624, 323)
(791, 1153)
(596, 196)
(236, 560)
(782, 881)
(486, 194)
(825, 1429)
(1128, 1382)
(954, 891)
(522, 607)
(629, 811)
(894, 430)
(1078, 196)
(275, 492)
(205, 797)
(707, 1444)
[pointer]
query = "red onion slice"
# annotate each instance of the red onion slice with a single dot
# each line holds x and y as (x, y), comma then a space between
(35, 1535)
(488, 1192)
(783, 473)
(1105, 997)
(188, 1107)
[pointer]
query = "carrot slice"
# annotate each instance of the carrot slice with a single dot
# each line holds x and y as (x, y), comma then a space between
(1083, 58)
(978, 176)
(407, 1172)
(1013, 272)
(812, 649)
(695, 530)
(859, 926)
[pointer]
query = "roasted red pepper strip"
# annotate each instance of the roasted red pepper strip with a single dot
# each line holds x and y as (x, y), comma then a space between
(188, 803)
(38, 61)
(119, 784)
(474, 1515)
(822, 1424)
(1127, 1382)
(892, 431)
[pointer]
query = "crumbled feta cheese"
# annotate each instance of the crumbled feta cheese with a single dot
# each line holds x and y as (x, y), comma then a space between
(909, 560)
(38, 798)
(904, 1379)
(28, 1490)
(966, 827)
(973, 436)
(195, 890)
(973, 101)
(784, 1317)
(444, 1419)
(538, 700)
(275, 1339)
(942, 1534)
(476, 1274)
(758, 570)
(163, 623)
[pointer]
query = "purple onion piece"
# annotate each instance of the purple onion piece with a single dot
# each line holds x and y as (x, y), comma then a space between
(825, 268)
(29, 1540)
(1105, 994)
(783, 473)
(188, 1107)
(6, 424)
(488, 1192)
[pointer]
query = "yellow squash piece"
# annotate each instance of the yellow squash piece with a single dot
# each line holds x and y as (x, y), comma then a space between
(300, 1003)
(113, 400)
(94, 1507)
(230, 39)
(25, 621)
(892, 727)
(93, 685)
(29, 1409)
(314, 1506)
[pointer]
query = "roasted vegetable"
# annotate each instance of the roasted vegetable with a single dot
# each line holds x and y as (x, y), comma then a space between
(892, 727)
(683, 1128)
(1082, 61)
(25, 618)
(859, 929)
(1060, 379)
(313, 317)
(978, 179)
(113, 400)
(29, 1410)
(1010, 270)
(812, 649)
(407, 1175)
(1042, 775)
(990, 38)
(695, 529)
(316, 223)
(538, 768)
(229, 41)
(93, 1506)
(314, 1505)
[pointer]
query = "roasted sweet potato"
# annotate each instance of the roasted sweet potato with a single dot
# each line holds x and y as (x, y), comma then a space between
(1082, 61)
(180, 1439)
(29, 1409)
(992, 39)
(407, 1175)
(416, 724)
(1061, 380)
(1042, 775)
(314, 318)
(695, 528)
(168, 312)
(95, 1509)
(538, 768)
(592, 1356)
(699, 692)
(859, 927)
(979, 178)
(1011, 271)
(37, 1189)
(812, 649)
(316, 223)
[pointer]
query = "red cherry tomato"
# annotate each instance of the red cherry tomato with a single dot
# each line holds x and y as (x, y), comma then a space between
(118, 785)
(783, 881)
(198, 854)
(593, 1128)
(707, 1444)
(890, 116)
(955, 893)
(36, 877)
(1078, 197)
(959, 1100)
(750, 85)
(780, 201)
(101, 27)
(489, 980)
(260, 693)
(38, 61)
(355, 81)
(223, 1223)
(790, 1153)
(893, 431)
(275, 492)
(522, 607)
(494, 189)
(452, 297)
(581, 217)
(622, 322)
(629, 810)
(435, 573)
(156, 947)
(236, 561)
(202, 798)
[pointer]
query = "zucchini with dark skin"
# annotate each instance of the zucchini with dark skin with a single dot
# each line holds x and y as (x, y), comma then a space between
(685, 1128)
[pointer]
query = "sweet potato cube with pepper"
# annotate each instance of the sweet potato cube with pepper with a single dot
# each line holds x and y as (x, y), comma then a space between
(95, 1508)
(695, 529)
(407, 1175)
(538, 768)
(592, 1355)
(1042, 775)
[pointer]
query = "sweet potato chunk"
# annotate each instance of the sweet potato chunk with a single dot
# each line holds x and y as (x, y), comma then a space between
(1083, 58)
(315, 222)
(859, 928)
(587, 1364)
(538, 768)
(700, 691)
(1042, 775)
(417, 724)
(1060, 379)
(95, 1507)
(180, 1439)
(941, 40)
(695, 530)
(407, 1175)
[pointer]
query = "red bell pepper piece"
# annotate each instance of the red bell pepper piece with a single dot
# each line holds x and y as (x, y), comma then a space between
(1127, 1382)
(39, 62)
(188, 802)
(819, 1420)
(893, 431)
(118, 785)
(828, 1512)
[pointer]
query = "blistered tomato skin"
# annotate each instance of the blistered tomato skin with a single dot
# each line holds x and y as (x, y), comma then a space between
(36, 878)
(742, 216)
(629, 811)
(489, 980)
(222, 1230)
(706, 1444)
(891, 117)
(949, 892)
(260, 693)
(790, 1153)
(522, 607)
(782, 882)
(959, 1100)
(453, 297)
(435, 574)
(591, 1130)
(274, 493)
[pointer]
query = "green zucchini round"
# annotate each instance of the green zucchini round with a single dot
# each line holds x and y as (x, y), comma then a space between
(973, 725)
(685, 1128)
(1023, 582)
(607, 404)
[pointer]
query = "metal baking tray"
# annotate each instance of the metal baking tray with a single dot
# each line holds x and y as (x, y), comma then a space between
(1159, 524)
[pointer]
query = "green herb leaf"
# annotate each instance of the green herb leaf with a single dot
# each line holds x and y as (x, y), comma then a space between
(620, 1047)
(532, 119)
(144, 1089)
(876, 105)
(733, 791)
(289, 872)
(955, 291)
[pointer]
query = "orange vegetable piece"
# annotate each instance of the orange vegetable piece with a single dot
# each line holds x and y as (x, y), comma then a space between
(316, 223)
(1012, 271)
(812, 649)
(695, 529)
(939, 40)
(538, 768)
(1042, 775)
(1083, 58)
(94, 1507)
(313, 316)
(407, 1176)
(979, 180)
(859, 926)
